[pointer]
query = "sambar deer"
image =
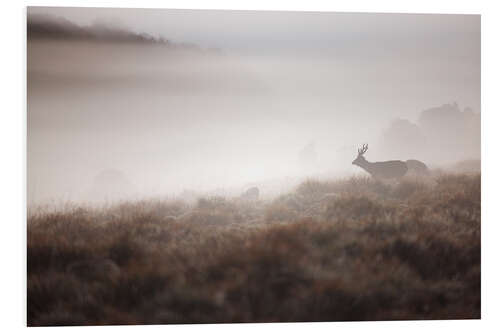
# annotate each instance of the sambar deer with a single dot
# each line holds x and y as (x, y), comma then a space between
(380, 170)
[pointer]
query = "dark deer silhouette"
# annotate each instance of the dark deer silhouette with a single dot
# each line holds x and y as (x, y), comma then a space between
(380, 170)
(252, 194)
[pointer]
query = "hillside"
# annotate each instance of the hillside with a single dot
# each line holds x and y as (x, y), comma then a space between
(349, 249)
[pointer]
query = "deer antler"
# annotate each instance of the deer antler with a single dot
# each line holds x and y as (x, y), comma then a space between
(363, 150)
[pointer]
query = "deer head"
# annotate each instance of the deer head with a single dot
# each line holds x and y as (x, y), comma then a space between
(360, 160)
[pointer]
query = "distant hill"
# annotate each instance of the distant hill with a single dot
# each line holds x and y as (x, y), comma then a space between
(48, 27)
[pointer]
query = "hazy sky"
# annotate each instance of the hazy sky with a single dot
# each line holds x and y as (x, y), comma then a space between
(273, 31)
(171, 121)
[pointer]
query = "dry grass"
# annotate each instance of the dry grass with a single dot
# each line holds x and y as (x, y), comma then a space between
(353, 249)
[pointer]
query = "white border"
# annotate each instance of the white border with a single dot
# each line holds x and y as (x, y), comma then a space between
(13, 151)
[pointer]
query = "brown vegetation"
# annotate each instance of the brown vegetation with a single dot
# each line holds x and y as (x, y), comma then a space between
(354, 249)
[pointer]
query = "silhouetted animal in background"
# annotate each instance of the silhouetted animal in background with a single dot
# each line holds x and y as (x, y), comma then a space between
(380, 170)
(418, 168)
(251, 194)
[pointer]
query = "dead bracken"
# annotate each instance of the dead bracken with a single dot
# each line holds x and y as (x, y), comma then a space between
(351, 249)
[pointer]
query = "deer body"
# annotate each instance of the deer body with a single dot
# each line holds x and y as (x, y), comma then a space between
(380, 170)
(418, 168)
(385, 170)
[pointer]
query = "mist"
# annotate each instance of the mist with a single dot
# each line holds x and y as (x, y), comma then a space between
(169, 102)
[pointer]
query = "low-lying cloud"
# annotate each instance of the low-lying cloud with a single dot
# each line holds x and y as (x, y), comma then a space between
(170, 117)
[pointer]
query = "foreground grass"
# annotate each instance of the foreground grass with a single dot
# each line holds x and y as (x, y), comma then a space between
(353, 249)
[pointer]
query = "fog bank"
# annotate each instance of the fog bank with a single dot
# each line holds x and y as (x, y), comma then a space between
(160, 116)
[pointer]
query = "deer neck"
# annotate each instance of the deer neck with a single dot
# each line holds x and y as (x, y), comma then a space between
(364, 164)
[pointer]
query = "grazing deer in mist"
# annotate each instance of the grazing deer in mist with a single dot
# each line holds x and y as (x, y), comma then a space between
(252, 194)
(380, 170)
